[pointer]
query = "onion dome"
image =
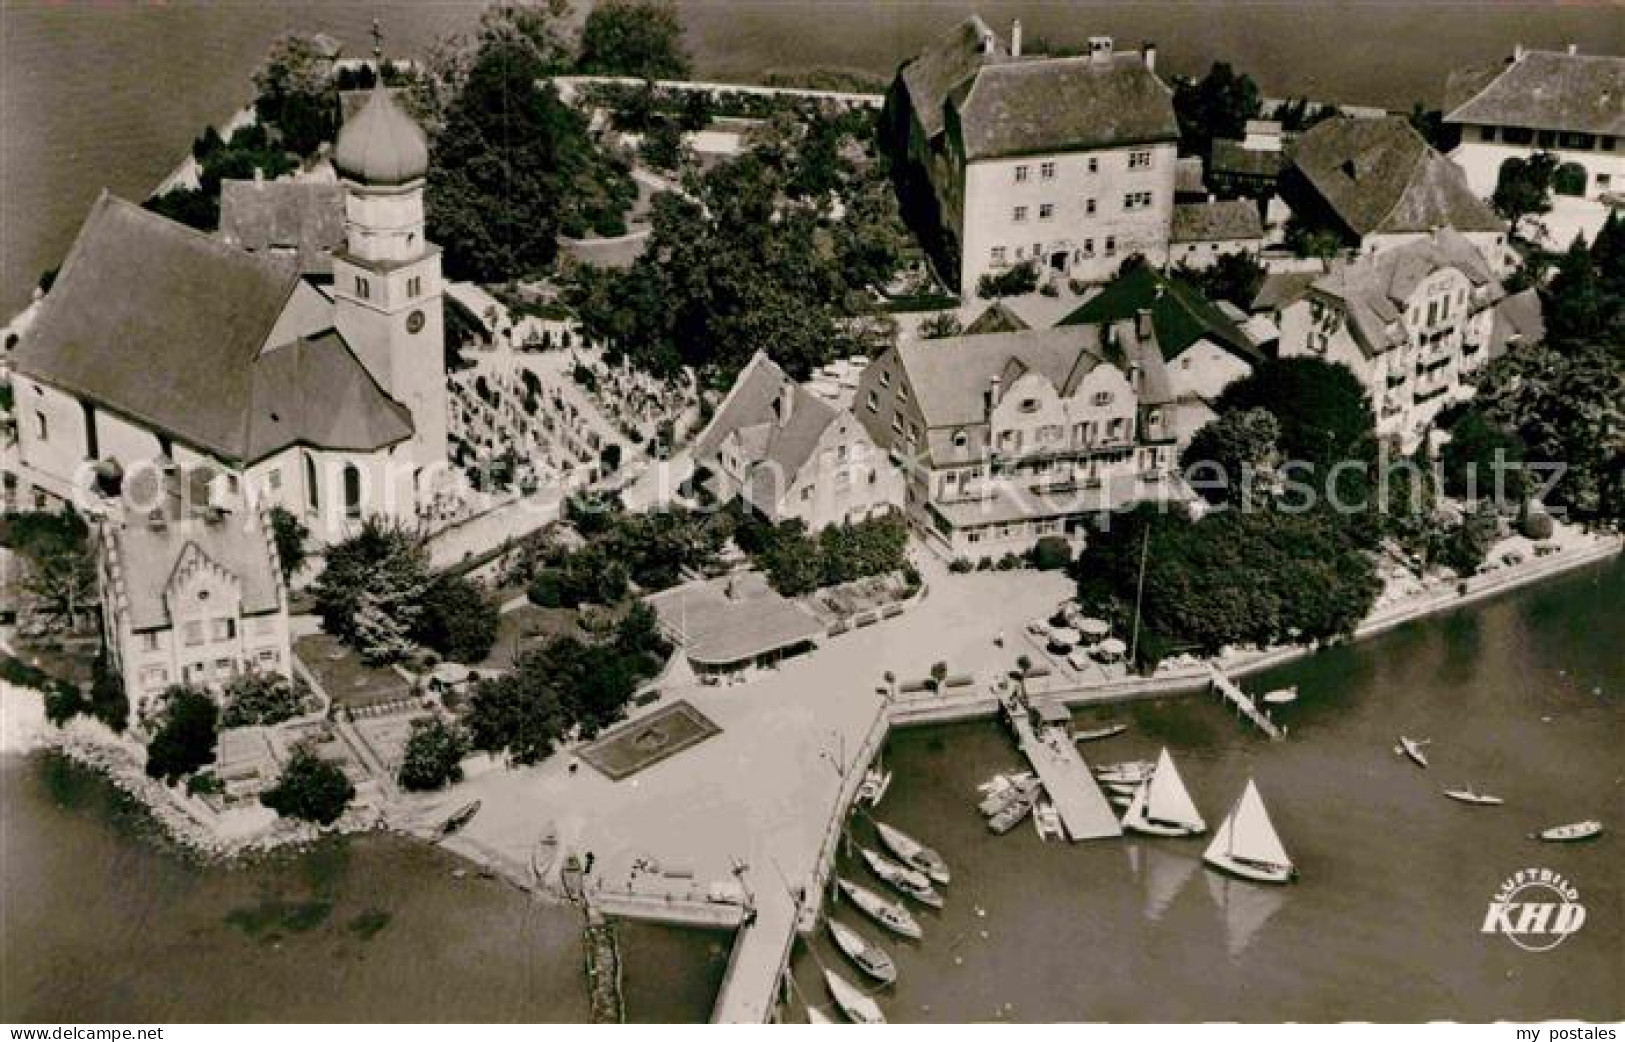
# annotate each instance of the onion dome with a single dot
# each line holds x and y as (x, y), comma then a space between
(381, 145)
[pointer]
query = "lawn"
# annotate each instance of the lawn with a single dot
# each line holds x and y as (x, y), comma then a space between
(348, 681)
(644, 743)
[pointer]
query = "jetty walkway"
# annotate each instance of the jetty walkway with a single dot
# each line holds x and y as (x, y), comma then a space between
(1067, 779)
(1244, 704)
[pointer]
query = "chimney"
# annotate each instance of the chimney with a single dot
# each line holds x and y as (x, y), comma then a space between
(994, 392)
(785, 404)
(1574, 48)
(1148, 52)
(1517, 52)
(989, 42)
(1015, 39)
(1142, 324)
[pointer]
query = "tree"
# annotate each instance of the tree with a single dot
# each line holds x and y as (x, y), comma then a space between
(642, 38)
(1321, 407)
(1523, 187)
(1578, 306)
(434, 755)
(941, 325)
(259, 698)
(185, 732)
(310, 789)
(513, 165)
(1216, 106)
(370, 593)
(58, 569)
(1235, 277)
(296, 93)
(1234, 458)
(192, 207)
(1484, 460)
(1306, 240)
(1051, 553)
(1431, 125)
(290, 535)
(1470, 541)
(458, 619)
(662, 146)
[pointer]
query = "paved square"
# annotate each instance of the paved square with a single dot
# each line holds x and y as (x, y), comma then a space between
(645, 742)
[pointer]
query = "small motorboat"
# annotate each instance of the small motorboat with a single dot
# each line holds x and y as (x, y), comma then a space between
(1481, 799)
(1013, 814)
(1281, 696)
(1095, 735)
(889, 914)
(1570, 833)
(913, 853)
(901, 878)
(870, 958)
(1047, 820)
(1017, 788)
(464, 815)
(1413, 748)
(1132, 772)
(876, 783)
(858, 1007)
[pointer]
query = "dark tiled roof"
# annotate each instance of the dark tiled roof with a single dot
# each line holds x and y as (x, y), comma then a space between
(1379, 176)
(936, 71)
(315, 391)
(1180, 314)
(751, 412)
(1059, 104)
(998, 318)
(1543, 90)
(306, 217)
(1223, 220)
(159, 322)
(1229, 157)
(166, 325)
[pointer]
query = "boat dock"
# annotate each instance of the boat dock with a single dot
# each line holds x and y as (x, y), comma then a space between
(1244, 704)
(1069, 783)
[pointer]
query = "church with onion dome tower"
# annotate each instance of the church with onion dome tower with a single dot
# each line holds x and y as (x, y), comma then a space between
(162, 347)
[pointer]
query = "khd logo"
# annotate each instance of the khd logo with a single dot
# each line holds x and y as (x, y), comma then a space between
(1536, 909)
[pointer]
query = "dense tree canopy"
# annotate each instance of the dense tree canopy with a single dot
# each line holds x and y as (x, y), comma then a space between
(296, 93)
(434, 755)
(1234, 458)
(1321, 407)
(1216, 106)
(1523, 187)
(310, 789)
(513, 166)
(185, 730)
(642, 38)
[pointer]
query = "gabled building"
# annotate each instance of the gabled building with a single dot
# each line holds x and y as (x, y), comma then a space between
(1376, 184)
(1006, 438)
(191, 591)
(1414, 323)
(1066, 164)
(1203, 232)
(1566, 103)
(788, 453)
(1202, 348)
(159, 345)
(1251, 165)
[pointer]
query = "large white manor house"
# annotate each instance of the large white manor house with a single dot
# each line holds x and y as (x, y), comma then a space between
(161, 343)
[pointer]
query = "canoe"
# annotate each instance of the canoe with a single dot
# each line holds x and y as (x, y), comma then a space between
(889, 914)
(1100, 732)
(913, 853)
(1280, 696)
(867, 956)
(1570, 833)
(1481, 799)
(464, 815)
(858, 1007)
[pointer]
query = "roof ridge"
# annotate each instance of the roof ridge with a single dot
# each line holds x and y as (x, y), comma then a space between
(1506, 66)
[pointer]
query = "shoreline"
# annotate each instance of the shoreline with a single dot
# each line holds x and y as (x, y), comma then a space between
(198, 831)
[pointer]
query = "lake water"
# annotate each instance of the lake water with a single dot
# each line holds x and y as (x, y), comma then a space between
(1523, 697)
(105, 922)
(111, 93)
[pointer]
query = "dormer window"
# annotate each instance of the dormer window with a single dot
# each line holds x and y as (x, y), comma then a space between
(961, 439)
(1029, 405)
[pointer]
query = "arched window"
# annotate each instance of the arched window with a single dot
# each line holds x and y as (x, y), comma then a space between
(312, 492)
(352, 491)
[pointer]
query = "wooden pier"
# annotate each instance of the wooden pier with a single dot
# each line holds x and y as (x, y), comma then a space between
(1244, 704)
(1070, 784)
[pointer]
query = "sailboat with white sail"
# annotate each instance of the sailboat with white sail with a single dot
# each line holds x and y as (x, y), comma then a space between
(1247, 844)
(1163, 806)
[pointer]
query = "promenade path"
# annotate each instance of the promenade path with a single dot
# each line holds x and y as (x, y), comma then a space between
(762, 793)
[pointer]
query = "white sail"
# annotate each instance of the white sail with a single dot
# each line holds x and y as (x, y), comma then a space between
(1252, 835)
(1220, 846)
(1135, 812)
(1168, 800)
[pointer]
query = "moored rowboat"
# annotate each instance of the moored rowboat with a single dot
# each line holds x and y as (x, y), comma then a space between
(1570, 833)
(904, 880)
(913, 853)
(889, 914)
(1100, 732)
(870, 958)
(1482, 799)
(858, 1007)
